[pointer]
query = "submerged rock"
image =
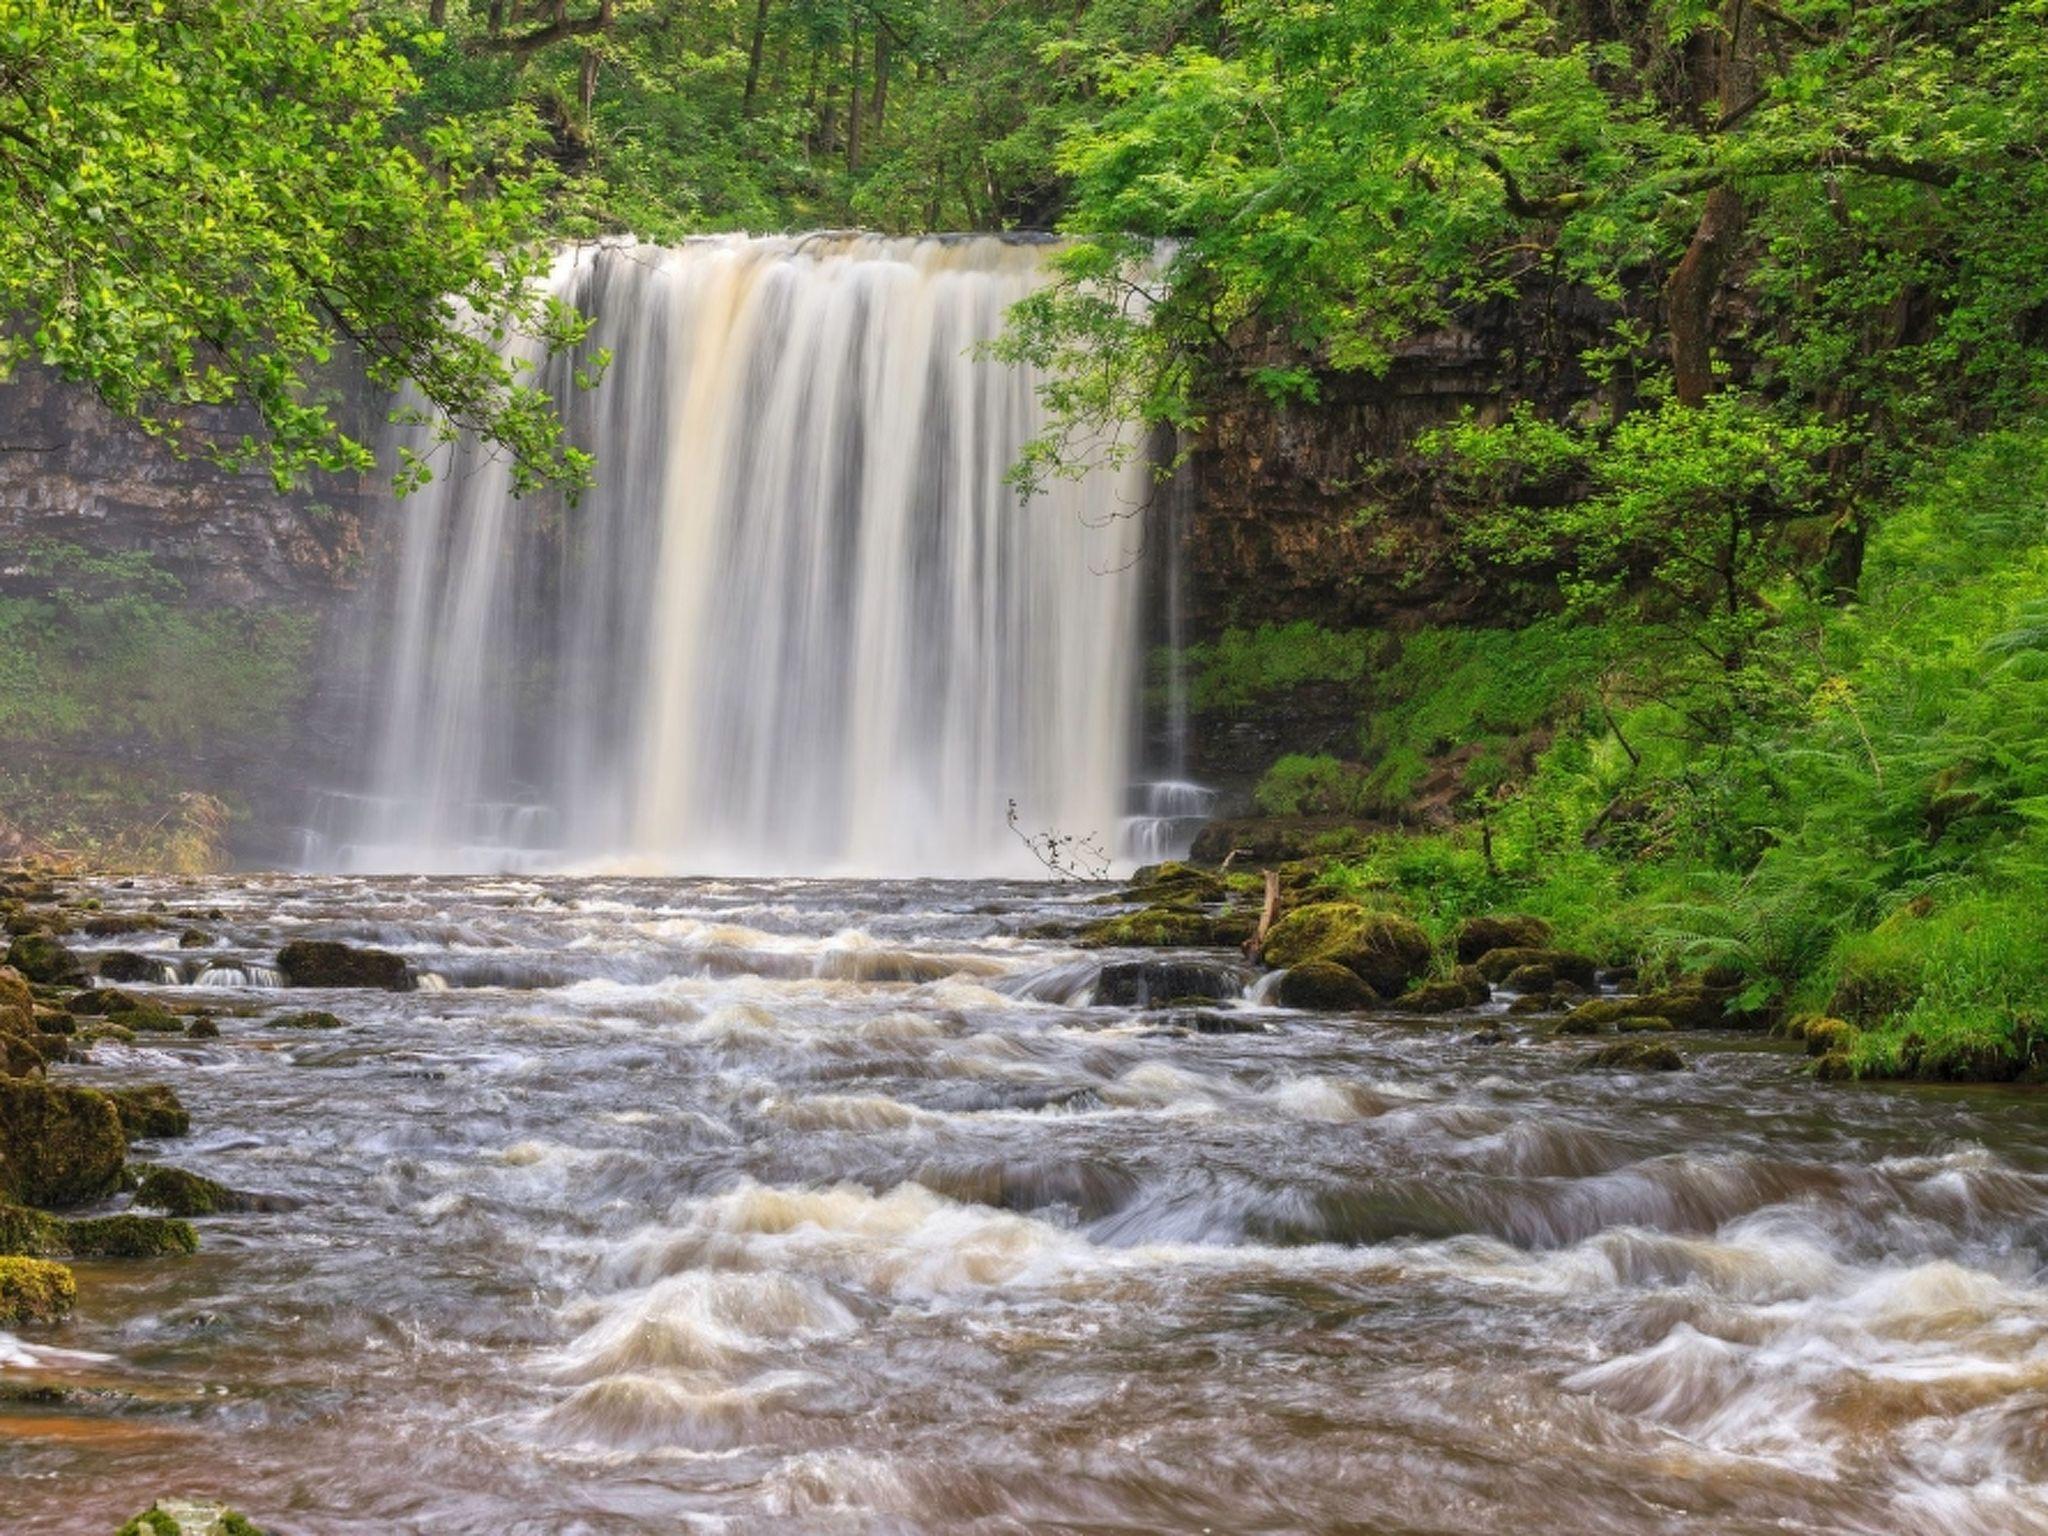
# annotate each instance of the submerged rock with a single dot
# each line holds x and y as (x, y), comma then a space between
(151, 1110)
(1141, 983)
(1691, 1006)
(1323, 986)
(185, 1517)
(179, 1193)
(323, 963)
(1384, 951)
(308, 1018)
(40, 957)
(59, 1145)
(34, 1291)
(1478, 936)
(1632, 1056)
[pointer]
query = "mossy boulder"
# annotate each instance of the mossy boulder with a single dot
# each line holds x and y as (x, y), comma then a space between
(127, 965)
(59, 1145)
(41, 957)
(26, 1233)
(1168, 928)
(17, 1002)
(34, 1291)
(308, 1018)
(1322, 986)
(1531, 978)
(1496, 965)
(323, 963)
(1464, 988)
(194, 938)
(179, 1193)
(129, 1236)
(151, 1110)
(1174, 884)
(1825, 1036)
(1690, 1005)
(1383, 950)
(203, 1028)
(1632, 1056)
(1477, 936)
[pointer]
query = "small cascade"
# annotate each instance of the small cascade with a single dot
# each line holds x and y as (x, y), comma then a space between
(802, 625)
(1162, 820)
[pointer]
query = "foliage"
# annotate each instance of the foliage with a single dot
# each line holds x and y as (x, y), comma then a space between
(205, 205)
(1299, 785)
(1242, 666)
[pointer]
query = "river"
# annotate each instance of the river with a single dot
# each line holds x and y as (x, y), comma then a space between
(782, 1206)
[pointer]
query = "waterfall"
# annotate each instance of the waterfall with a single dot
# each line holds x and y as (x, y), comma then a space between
(802, 625)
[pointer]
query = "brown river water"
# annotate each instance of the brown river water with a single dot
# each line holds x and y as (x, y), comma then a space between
(785, 1206)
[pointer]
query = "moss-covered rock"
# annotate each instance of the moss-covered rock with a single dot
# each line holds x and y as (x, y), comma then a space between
(182, 1517)
(1643, 1024)
(1168, 928)
(1496, 965)
(1174, 884)
(1824, 1036)
(203, 1028)
(17, 1002)
(309, 1018)
(59, 1145)
(129, 1236)
(151, 1110)
(1383, 950)
(40, 957)
(1322, 986)
(194, 938)
(21, 1056)
(127, 965)
(1632, 1056)
(98, 1002)
(1531, 978)
(1690, 1006)
(1477, 936)
(26, 1233)
(1149, 983)
(179, 1193)
(34, 1291)
(1464, 988)
(323, 963)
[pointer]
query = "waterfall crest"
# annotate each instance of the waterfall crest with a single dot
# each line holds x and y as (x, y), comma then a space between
(801, 625)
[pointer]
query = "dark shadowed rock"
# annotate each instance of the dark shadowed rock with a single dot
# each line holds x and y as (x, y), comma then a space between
(1478, 935)
(1138, 983)
(323, 963)
(1322, 986)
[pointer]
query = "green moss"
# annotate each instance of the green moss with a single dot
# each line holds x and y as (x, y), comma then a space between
(59, 1145)
(1168, 927)
(152, 1110)
(34, 1291)
(1497, 965)
(180, 1193)
(29, 1234)
(1245, 666)
(40, 957)
(1632, 1056)
(129, 1237)
(1310, 786)
(1385, 951)
(1323, 987)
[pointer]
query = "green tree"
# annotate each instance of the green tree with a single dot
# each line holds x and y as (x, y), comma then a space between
(205, 203)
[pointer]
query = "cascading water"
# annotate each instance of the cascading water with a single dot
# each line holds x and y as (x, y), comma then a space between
(801, 626)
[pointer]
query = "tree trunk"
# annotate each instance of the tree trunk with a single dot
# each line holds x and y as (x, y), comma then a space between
(881, 93)
(1689, 295)
(437, 13)
(587, 85)
(853, 102)
(754, 59)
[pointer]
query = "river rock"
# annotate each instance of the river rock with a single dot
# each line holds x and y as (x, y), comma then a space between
(1632, 1056)
(1141, 983)
(17, 1002)
(1383, 950)
(58, 1145)
(1690, 1006)
(1322, 986)
(127, 965)
(1464, 988)
(1496, 965)
(185, 1517)
(149, 1111)
(1168, 928)
(309, 1018)
(323, 963)
(179, 1193)
(1174, 884)
(40, 957)
(34, 1291)
(128, 1236)
(1477, 936)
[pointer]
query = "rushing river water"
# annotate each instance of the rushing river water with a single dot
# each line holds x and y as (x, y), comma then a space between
(808, 1207)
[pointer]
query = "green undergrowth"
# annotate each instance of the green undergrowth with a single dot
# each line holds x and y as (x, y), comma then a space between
(1869, 841)
(1246, 667)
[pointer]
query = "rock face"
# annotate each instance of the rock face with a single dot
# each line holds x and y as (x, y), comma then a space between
(322, 963)
(59, 1146)
(1384, 951)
